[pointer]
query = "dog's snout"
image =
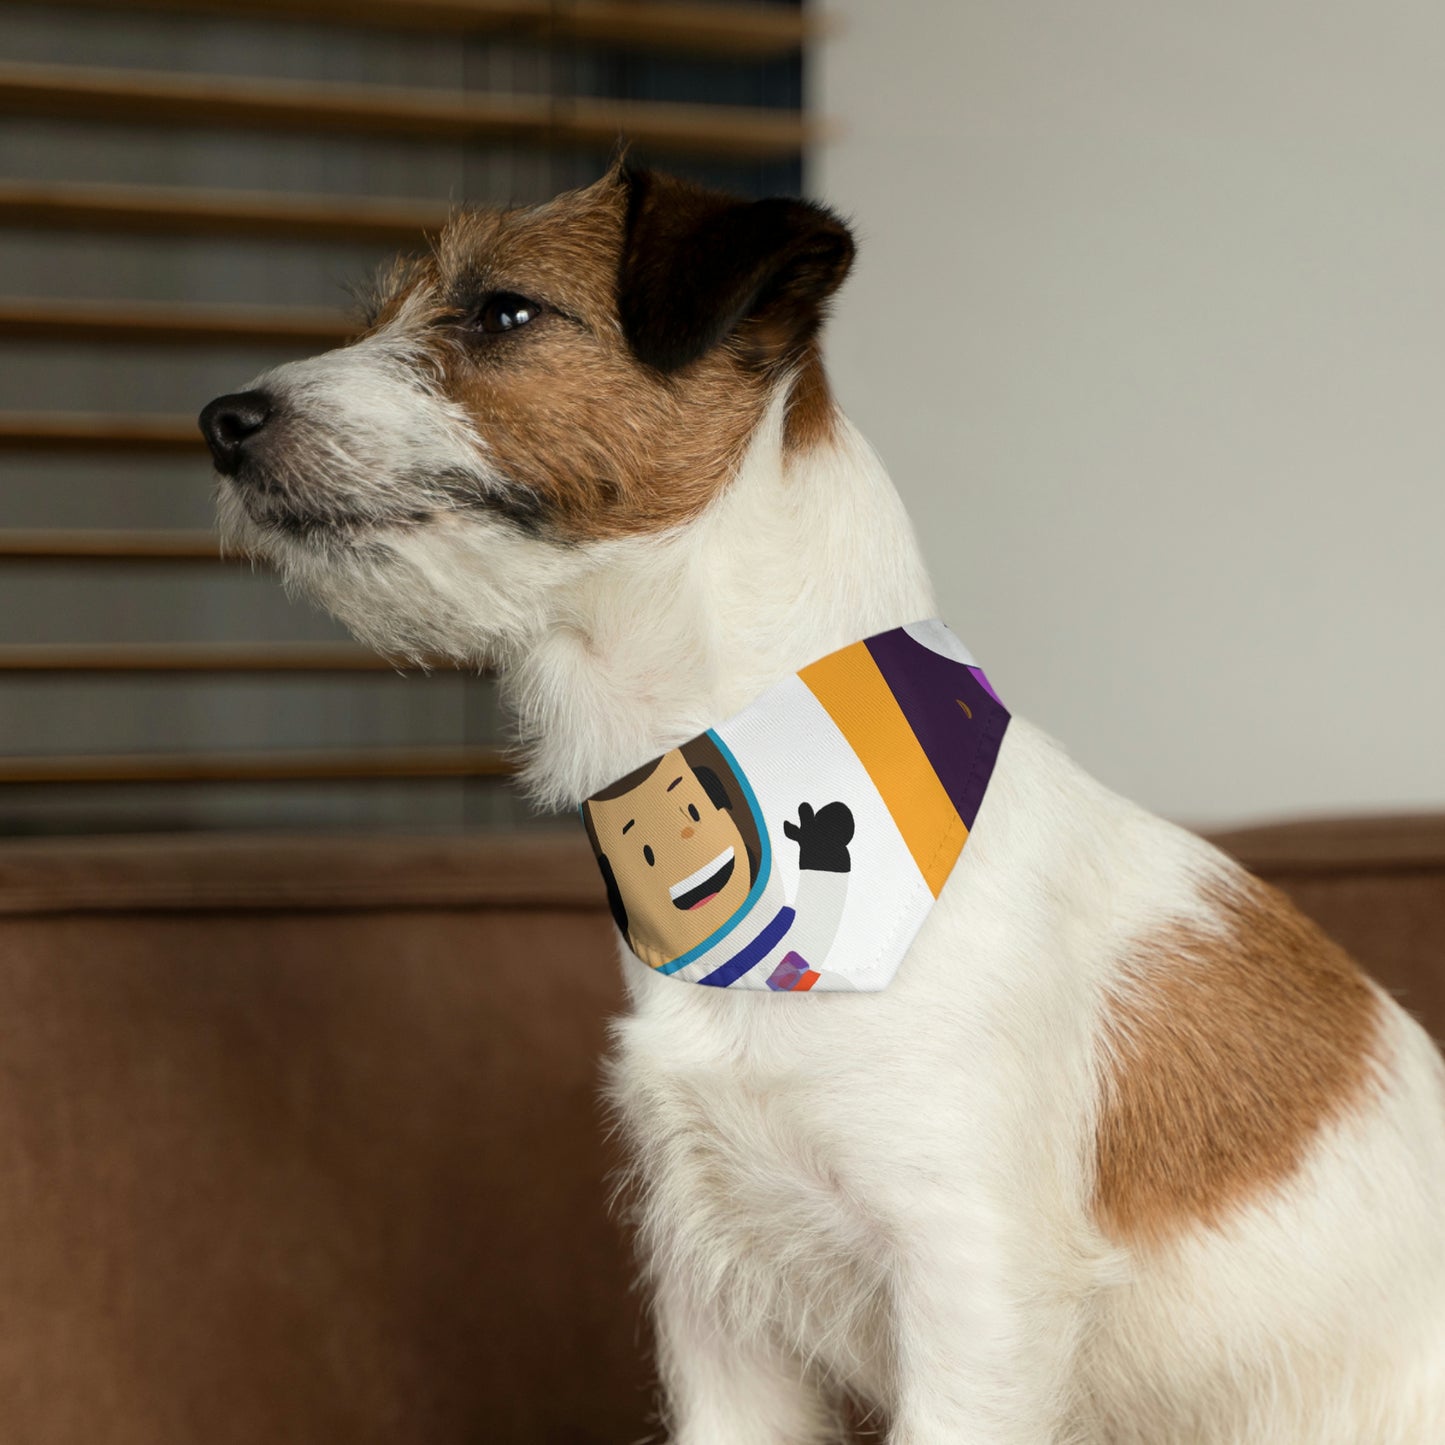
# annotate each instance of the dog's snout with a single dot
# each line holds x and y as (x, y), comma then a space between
(229, 422)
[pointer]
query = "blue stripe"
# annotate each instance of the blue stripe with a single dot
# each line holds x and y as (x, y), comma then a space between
(758, 949)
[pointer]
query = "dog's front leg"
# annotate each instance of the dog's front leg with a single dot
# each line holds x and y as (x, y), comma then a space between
(722, 1387)
(985, 1345)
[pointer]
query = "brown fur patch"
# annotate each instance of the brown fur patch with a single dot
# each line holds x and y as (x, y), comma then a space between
(1228, 1051)
(812, 413)
(595, 443)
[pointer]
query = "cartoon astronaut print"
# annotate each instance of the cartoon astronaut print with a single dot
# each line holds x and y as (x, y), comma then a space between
(690, 881)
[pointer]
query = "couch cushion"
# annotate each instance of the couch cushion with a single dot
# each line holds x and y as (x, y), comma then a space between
(299, 1141)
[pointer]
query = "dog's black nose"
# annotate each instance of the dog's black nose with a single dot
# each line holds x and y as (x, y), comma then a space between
(229, 422)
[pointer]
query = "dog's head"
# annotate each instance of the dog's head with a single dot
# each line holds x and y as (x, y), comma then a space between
(545, 382)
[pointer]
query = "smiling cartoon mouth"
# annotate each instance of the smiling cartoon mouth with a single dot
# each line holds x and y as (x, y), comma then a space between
(709, 880)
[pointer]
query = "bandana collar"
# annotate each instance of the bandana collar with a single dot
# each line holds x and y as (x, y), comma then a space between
(800, 845)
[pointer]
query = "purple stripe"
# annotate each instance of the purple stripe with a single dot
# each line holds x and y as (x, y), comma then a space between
(759, 948)
(986, 684)
(928, 687)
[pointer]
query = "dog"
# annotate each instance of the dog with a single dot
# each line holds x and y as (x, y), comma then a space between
(1127, 1152)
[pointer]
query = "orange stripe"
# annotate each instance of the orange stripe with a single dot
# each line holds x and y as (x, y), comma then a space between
(852, 690)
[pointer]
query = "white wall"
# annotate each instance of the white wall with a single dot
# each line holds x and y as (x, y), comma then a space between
(1149, 324)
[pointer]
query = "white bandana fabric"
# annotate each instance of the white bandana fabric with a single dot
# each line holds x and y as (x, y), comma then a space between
(799, 846)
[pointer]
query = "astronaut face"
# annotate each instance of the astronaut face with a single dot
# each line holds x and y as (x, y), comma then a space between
(678, 859)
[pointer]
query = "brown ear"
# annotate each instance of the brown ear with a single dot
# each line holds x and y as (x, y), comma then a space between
(699, 266)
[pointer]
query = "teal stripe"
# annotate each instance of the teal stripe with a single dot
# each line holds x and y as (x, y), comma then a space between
(765, 864)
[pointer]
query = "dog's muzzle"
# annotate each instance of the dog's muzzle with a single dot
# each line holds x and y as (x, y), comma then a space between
(231, 424)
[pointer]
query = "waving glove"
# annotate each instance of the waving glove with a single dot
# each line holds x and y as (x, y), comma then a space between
(822, 837)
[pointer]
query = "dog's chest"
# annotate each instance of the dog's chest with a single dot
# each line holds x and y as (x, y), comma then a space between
(749, 1188)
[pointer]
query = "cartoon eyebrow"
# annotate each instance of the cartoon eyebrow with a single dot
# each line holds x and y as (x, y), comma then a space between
(673, 784)
(628, 824)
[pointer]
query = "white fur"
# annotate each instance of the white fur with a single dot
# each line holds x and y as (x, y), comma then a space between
(889, 1194)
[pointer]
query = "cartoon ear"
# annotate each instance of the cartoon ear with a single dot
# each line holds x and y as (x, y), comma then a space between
(614, 897)
(699, 266)
(713, 786)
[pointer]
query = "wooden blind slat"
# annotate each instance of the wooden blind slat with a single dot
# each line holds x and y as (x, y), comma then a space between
(255, 767)
(108, 546)
(168, 323)
(705, 29)
(176, 211)
(159, 98)
(94, 431)
(309, 871)
(753, 31)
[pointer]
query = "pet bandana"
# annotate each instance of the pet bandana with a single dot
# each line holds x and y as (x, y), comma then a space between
(799, 845)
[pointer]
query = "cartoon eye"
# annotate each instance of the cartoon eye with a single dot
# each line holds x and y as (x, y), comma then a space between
(506, 311)
(692, 809)
(647, 853)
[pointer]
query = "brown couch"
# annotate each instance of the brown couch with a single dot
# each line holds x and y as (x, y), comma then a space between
(299, 1140)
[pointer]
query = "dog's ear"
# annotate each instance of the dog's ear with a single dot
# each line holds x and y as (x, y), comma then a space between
(699, 266)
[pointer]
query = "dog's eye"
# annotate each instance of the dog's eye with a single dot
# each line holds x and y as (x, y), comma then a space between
(505, 311)
(649, 855)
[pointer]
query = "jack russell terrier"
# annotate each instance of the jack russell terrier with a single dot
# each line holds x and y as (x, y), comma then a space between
(1078, 1134)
